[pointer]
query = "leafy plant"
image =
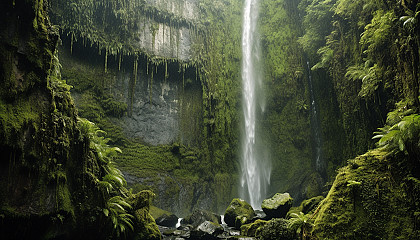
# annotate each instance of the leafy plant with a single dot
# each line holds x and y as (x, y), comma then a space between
(300, 223)
(116, 209)
(403, 136)
(112, 185)
(369, 77)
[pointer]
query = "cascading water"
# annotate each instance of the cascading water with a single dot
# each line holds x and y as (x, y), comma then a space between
(315, 127)
(255, 168)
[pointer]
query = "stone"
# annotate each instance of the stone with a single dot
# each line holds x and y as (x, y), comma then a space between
(276, 229)
(207, 230)
(238, 213)
(251, 228)
(167, 221)
(163, 218)
(260, 214)
(199, 216)
(277, 206)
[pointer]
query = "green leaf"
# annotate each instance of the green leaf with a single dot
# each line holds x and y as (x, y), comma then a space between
(106, 212)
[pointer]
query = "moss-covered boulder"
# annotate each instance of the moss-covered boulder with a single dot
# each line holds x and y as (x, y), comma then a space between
(278, 205)
(145, 226)
(238, 213)
(251, 228)
(275, 229)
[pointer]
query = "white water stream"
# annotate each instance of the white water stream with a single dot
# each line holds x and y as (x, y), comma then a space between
(255, 170)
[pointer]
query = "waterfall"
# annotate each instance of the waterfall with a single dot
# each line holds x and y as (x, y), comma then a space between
(319, 165)
(256, 171)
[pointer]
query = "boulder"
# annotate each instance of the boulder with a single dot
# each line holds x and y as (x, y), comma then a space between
(163, 218)
(199, 216)
(251, 228)
(238, 213)
(278, 205)
(276, 229)
(207, 230)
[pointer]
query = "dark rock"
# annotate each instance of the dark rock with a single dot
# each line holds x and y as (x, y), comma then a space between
(207, 231)
(167, 221)
(199, 216)
(278, 205)
(238, 213)
(163, 218)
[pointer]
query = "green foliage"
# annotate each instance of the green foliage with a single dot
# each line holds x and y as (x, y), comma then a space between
(112, 185)
(403, 136)
(116, 209)
(376, 37)
(369, 77)
(301, 223)
(317, 23)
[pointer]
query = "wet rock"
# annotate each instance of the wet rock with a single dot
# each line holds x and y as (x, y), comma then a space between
(167, 221)
(278, 205)
(207, 231)
(238, 213)
(260, 215)
(199, 216)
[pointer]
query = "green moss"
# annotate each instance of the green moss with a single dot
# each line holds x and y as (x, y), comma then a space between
(238, 213)
(250, 229)
(146, 228)
(157, 212)
(16, 117)
(374, 209)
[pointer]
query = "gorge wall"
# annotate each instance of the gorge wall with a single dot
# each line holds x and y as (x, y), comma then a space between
(162, 79)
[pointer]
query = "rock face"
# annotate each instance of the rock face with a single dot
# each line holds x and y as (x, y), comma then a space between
(159, 107)
(278, 205)
(238, 213)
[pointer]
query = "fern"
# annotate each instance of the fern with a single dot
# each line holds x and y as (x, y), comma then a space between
(113, 183)
(402, 136)
(116, 210)
(300, 223)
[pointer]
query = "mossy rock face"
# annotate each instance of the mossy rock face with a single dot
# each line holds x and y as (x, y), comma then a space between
(251, 228)
(278, 205)
(238, 213)
(367, 202)
(275, 229)
(145, 225)
(311, 204)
